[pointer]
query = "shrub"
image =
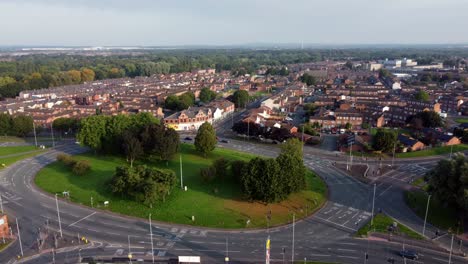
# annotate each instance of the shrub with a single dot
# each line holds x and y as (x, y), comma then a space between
(208, 174)
(66, 159)
(81, 167)
(220, 165)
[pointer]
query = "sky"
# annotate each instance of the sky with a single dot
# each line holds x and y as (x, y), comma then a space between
(231, 22)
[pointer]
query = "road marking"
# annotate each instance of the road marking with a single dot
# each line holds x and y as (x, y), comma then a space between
(385, 190)
(83, 219)
(344, 249)
(351, 257)
(319, 255)
(326, 220)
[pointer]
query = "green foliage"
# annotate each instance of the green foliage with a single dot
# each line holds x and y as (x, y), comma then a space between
(78, 167)
(208, 174)
(144, 184)
(240, 98)
(6, 124)
(273, 180)
(81, 167)
(93, 131)
(448, 182)
(348, 126)
(22, 125)
(220, 165)
(365, 125)
(382, 224)
(160, 141)
(422, 96)
(132, 147)
(205, 141)
(384, 140)
(383, 73)
(308, 79)
(206, 95)
(310, 108)
(430, 119)
(65, 124)
(178, 103)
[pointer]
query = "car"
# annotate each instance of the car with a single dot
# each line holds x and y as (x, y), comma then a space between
(224, 141)
(409, 254)
(188, 138)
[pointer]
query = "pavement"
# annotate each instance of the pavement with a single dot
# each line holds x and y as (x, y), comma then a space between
(325, 236)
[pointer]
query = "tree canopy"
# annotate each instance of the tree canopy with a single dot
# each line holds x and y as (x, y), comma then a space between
(384, 140)
(205, 141)
(240, 98)
(422, 96)
(206, 95)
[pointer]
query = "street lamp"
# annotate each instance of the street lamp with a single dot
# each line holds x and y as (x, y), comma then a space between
(425, 217)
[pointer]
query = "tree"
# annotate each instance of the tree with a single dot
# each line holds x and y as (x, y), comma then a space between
(240, 98)
(185, 101)
(422, 96)
(205, 141)
(81, 167)
(206, 95)
(22, 125)
(6, 124)
(365, 125)
(448, 183)
(65, 124)
(349, 65)
(75, 76)
(92, 131)
(132, 147)
(384, 73)
(290, 160)
(348, 126)
(308, 79)
(384, 140)
(160, 141)
(430, 119)
(171, 102)
(87, 75)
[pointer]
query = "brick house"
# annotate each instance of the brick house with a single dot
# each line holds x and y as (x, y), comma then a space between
(4, 229)
(409, 143)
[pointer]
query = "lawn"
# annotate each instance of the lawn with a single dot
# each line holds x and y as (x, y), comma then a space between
(433, 151)
(461, 120)
(4, 245)
(214, 204)
(438, 215)
(4, 151)
(10, 160)
(381, 224)
(420, 183)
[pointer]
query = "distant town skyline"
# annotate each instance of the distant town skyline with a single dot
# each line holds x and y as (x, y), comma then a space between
(239, 22)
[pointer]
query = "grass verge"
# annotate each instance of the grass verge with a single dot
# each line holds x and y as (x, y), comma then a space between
(438, 215)
(4, 151)
(10, 160)
(381, 224)
(461, 120)
(433, 151)
(214, 204)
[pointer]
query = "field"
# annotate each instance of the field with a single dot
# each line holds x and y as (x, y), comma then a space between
(438, 215)
(381, 224)
(215, 204)
(461, 120)
(433, 151)
(10, 155)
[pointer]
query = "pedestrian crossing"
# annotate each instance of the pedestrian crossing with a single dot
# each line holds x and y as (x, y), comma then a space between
(407, 172)
(347, 217)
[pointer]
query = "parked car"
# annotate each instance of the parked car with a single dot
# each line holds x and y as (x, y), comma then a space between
(409, 254)
(224, 141)
(188, 138)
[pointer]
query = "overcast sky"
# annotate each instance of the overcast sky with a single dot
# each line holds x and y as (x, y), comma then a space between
(224, 22)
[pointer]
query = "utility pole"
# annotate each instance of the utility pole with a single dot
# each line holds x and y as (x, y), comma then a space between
(393, 158)
(425, 217)
(373, 202)
(181, 178)
(19, 237)
(52, 133)
(1, 203)
(35, 137)
(129, 252)
(226, 259)
(151, 235)
(294, 220)
(58, 216)
(451, 247)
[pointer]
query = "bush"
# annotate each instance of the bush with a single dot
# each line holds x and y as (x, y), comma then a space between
(220, 165)
(81, 167)
(237, 168)
(66, 159)
(208, 174)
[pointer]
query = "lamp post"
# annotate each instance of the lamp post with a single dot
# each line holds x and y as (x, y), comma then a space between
(373, 202)
(151, 235)
(58, 216)
(425, 217)
(293, 226)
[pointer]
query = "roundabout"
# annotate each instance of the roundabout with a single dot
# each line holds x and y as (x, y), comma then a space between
(326, 236)
(218, 203)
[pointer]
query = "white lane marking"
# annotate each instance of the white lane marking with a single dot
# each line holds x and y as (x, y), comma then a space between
(385, 190)
(319, 255)
(82, 219)
(326, 220)
(351, 257)
(344, 249)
